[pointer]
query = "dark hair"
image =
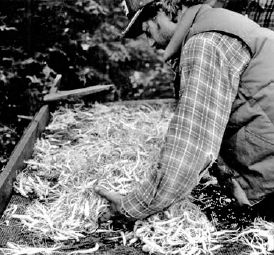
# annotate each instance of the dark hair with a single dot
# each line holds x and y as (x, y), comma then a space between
(150, 10)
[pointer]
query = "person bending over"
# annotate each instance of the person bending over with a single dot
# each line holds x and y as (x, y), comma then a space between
(224, 118)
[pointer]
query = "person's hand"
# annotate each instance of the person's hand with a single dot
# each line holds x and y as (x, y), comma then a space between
(115, 202)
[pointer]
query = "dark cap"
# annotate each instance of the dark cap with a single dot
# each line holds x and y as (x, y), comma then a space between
(134, 10)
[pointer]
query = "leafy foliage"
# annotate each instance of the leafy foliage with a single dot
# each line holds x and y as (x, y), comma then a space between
(80, 39)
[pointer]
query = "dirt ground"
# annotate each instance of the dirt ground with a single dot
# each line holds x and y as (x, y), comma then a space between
(216, 205)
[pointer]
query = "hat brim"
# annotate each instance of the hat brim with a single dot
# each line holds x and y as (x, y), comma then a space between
(134, 28)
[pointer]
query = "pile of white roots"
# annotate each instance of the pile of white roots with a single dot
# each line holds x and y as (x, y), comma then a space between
(112, 146)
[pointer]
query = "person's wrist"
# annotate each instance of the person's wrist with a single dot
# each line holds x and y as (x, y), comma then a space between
(125, 213)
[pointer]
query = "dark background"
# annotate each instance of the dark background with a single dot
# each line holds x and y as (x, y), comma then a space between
(80, 39)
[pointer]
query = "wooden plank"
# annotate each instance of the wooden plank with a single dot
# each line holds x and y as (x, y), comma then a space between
(76, 93)
(145, 101)
(22, 152)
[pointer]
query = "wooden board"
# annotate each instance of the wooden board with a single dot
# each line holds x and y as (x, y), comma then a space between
(22, 152)
(145, 101)
(76, 93)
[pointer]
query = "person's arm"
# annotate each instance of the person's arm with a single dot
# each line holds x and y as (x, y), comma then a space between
(192, 143)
